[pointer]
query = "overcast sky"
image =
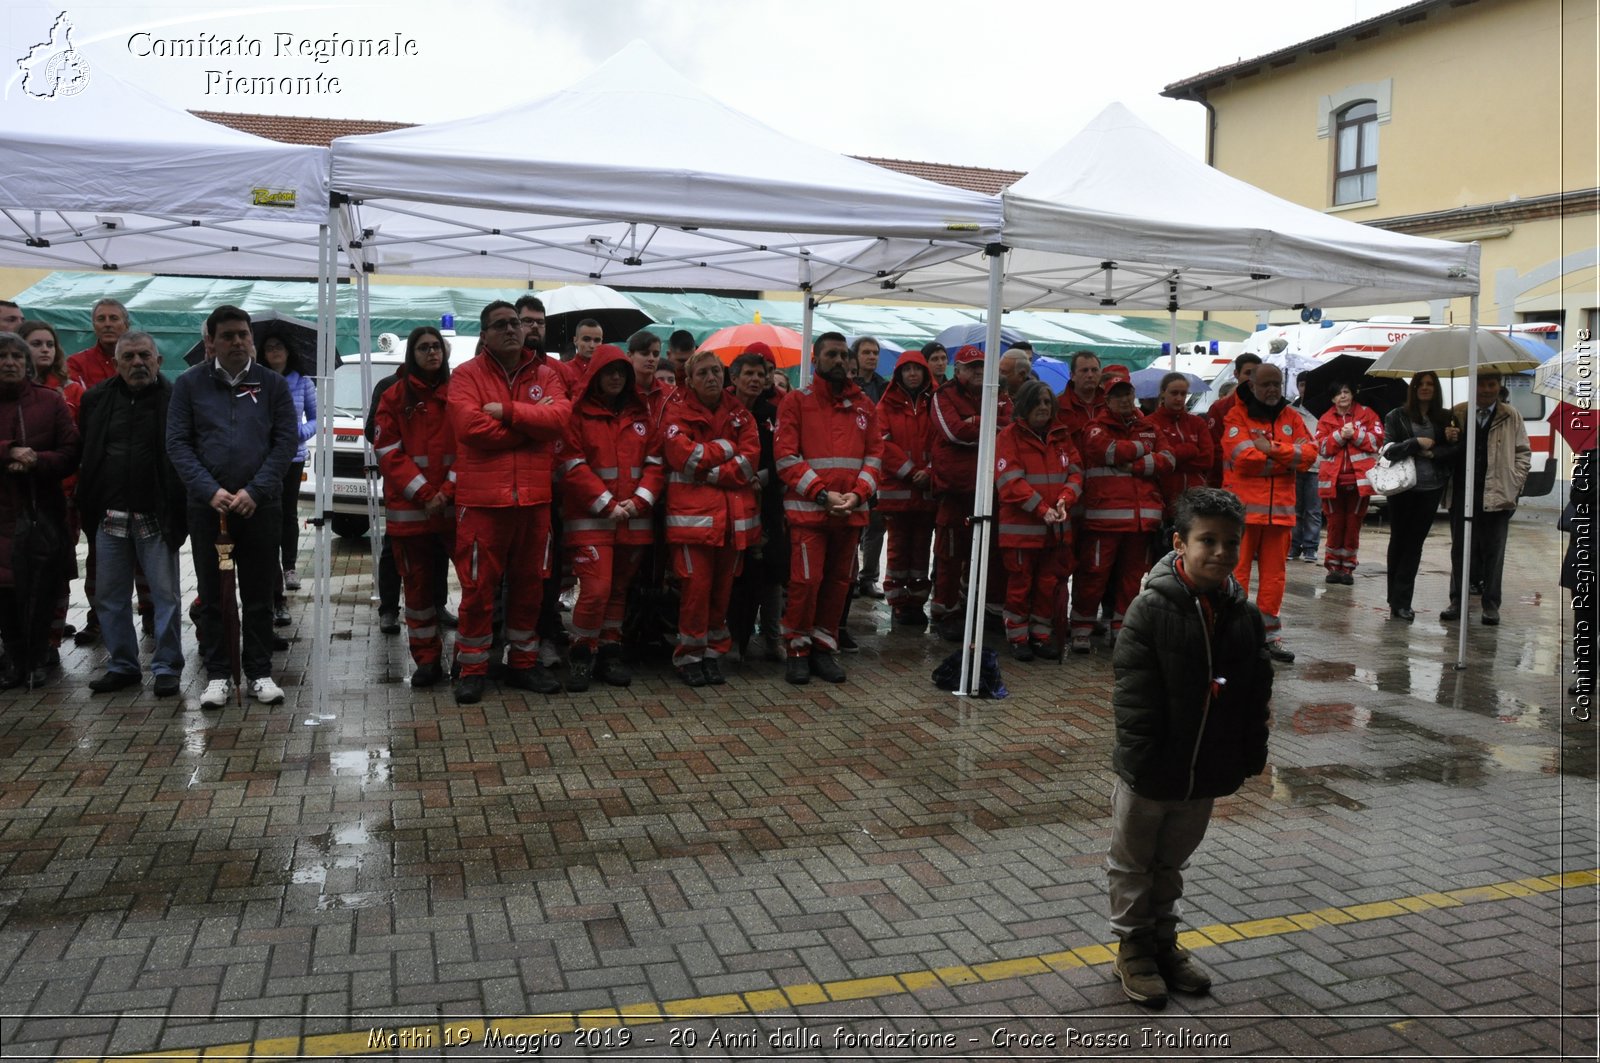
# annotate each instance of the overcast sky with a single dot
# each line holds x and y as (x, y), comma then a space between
(977, 82)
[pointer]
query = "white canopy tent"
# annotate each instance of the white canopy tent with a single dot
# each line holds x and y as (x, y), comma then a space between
(112, 178)
(1120, 217)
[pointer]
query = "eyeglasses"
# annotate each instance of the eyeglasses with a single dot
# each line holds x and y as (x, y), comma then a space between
(509, 324)
(532, 322)
(425, 348)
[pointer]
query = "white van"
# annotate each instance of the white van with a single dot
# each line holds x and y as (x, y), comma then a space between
(351, 487)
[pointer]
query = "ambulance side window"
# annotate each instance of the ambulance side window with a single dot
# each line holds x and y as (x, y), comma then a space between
(1523, 399)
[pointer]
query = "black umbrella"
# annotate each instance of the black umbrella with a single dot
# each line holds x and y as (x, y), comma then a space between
(301, 337)
(1379, 394)
(616, 325)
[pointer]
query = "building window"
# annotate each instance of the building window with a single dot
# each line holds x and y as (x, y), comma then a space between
(1355, 174)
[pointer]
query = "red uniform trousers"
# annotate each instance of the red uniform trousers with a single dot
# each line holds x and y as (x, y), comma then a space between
(1267, 545)
(604, 573)
(1033, 576)
(952, 542)
(705, 576)
(905, 583)
(821, 561)
(495, 543)
(1114, 560)
(1344, 513)
(416, 558)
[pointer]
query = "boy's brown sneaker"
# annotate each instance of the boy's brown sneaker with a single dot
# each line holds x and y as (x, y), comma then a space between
(1180, 971)
(1140, 975)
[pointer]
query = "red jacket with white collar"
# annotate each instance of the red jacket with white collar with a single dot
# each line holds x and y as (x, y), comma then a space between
(827, 440)
(711, 457)
(1118, 500)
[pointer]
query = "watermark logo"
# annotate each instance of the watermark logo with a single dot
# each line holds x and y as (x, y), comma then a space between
(54, 67)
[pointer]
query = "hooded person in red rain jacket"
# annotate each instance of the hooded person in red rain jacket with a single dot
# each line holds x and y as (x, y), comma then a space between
(611, 478)
(1186, 436)
(507, 409)
(829, 452)
(1349, 437)
(1124, 459)
(1039, 480)
(905, 416)
(711, 447)
(416, 450)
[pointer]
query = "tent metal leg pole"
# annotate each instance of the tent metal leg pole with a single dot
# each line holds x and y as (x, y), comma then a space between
(1468, 488)
(322, 574)
(983, 489)
(369, 458)
(806, 306)
(1172, 336)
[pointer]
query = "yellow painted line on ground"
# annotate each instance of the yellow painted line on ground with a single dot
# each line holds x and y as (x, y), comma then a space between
(428, 1036)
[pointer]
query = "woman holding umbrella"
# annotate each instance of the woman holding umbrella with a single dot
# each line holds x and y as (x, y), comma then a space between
(1348, 438)
(38, 449)
(1424, 430)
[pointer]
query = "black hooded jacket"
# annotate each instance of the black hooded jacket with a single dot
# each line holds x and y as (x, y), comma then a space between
(1191, 710)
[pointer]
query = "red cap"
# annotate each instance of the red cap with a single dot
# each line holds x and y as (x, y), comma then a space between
(763, 350)
(968, 355)
(1115, 375)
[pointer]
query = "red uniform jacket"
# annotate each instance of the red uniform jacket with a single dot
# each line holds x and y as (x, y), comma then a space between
(606, 457)
(1076, 414)
(1264, 480)
(906, 421)
(1215, 416)
(416, 450)
(712, 457)
(955, 436)
(1359, 453)
(1032, 474)
(1188, 439)
(1118, 500)
(90, 366)
(509, 462)
(827, 441)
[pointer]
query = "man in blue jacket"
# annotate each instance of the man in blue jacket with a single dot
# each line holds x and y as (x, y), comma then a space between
(231, 436)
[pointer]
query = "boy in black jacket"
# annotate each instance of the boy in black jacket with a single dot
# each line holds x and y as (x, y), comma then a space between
(1193, 680)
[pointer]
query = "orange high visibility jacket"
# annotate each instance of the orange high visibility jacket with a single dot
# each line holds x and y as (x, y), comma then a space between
(1118, 500)
(416, 450)
(606, 458)
(711, 458)
(827, 441)
(1359, 452)
(1264, 480)
(1031, 475)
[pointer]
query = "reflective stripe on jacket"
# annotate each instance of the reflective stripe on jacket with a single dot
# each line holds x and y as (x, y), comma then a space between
(711, 458)
(827, 441)
(1123, 500)
(906, 421)
(1031, 475)
(1360, 451)
(606, 457)
(1264, 480)
(1188, 438)
(416, 449)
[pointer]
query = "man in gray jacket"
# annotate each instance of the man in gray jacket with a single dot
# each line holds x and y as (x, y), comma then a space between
(1502, 462)
(231, 435)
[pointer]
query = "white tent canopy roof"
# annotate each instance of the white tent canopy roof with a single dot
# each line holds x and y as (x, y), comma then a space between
(696, 195)
(1178, 230)
(113, 178)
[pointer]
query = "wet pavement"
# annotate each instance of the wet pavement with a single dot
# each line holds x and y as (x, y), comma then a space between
(870, 869)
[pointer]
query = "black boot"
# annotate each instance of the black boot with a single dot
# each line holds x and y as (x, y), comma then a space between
(798, 671)
(580, 668)
(469, 690)
(825, 668)
(692, 674)
(609, 669)
(713, 672)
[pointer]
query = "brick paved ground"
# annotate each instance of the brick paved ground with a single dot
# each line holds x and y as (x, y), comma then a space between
(172, 879)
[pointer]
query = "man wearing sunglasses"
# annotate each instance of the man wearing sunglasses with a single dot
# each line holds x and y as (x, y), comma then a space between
(508, 410)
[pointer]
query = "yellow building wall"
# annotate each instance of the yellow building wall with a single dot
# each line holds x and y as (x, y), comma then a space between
(1489, 102)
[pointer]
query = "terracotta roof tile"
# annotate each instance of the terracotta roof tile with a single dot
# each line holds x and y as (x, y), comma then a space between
(321, 131)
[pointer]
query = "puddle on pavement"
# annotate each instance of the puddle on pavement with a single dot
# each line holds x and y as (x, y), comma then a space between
(372, 767)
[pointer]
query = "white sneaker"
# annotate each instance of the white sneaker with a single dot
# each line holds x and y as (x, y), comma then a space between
(266, 691)
(216, 694)
(291, 580)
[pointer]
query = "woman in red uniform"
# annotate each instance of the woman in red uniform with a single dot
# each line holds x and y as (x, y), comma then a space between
(1039, 479)
(416, 448)
(610, 481)
(1348, 439)
(906, 498)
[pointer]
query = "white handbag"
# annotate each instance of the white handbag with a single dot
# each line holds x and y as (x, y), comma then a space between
(1393, 478)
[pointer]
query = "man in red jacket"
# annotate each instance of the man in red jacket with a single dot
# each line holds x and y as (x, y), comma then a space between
(830, 457)
(98, 363)
(1083, 397)
(507, 411)
(1244, 368)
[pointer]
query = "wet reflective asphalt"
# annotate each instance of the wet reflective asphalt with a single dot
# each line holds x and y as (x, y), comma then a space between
(175, 878)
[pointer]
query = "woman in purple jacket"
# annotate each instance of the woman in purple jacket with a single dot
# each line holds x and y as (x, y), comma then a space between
(281, 354)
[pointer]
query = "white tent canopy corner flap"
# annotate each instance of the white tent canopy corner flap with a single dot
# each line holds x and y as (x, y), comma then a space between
(112, 178)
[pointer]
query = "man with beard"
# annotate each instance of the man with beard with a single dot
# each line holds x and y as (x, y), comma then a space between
(1244, 367)
(830, 458)
(1265, 445)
